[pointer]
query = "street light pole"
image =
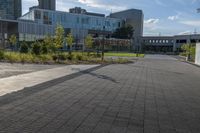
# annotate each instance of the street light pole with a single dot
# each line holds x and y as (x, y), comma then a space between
(103, 44)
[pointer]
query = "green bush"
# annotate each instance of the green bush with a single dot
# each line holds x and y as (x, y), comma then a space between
(55, 58)
(70, 57)
(44, 49)
(36, 48)
(24, 48)
(79, 57)
(62, 57)
(45, 58)
(12, 57)
(2, 56)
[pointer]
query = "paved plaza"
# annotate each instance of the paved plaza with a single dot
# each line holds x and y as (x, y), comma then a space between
(157, 94)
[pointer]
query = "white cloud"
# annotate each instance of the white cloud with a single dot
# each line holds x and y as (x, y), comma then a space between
(102, 4)
(151, 21)
(191, 22)
(160, 3)
(173, 17)
(185, 33)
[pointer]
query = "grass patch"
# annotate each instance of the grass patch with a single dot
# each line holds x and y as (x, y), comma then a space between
(124, 54)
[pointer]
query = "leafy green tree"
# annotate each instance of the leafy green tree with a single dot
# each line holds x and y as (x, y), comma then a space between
(48, 44)
(89, 43)
(13, 40)
(186, 49)
(125, 32)
(189, 50)
(70, 40)
(59, 36)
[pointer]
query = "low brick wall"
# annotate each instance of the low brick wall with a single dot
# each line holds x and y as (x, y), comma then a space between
(197, 58)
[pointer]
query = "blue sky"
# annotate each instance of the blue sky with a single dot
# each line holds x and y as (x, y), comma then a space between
(165, 17)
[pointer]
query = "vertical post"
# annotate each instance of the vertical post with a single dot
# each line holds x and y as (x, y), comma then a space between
(103, 44)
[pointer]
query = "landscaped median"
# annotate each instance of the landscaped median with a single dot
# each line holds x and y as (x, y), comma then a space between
(58, 58)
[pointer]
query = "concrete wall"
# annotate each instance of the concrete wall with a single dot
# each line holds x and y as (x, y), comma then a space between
(197, 60)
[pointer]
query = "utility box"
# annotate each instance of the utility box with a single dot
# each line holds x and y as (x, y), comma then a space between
(197, 57)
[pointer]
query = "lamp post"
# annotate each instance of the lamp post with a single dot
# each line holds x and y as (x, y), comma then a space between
(103, 44)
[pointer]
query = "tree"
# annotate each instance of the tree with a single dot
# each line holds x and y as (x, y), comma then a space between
(89, 43)
(48, 44)
(69, 40)
(186, 49)
(13, 40)
(59, 37)
(189, 50)
(125, 32)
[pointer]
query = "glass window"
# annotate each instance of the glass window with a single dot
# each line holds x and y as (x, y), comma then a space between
(37, 14)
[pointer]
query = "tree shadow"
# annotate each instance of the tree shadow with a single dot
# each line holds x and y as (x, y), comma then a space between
(102, 77)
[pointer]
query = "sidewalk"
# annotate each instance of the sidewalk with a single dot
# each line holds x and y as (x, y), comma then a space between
(19, 82)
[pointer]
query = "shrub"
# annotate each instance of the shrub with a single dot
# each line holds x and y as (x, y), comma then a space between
(24, 48)
(12, 57)
(70, 57)
(44, 49)
(62, 57)
(45, 58)
(79, 57)
(36, 48)
(2, 56)
(55, 58)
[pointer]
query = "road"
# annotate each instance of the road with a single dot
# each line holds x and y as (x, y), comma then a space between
(157, 94)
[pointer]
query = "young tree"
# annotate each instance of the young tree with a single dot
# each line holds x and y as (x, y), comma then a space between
(189, 51)
(59, 37)
(69, 40)
(13, 40)
(89, 43)
(186, 49)
(48, 44)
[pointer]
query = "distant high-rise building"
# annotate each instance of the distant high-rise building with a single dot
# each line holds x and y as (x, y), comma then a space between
(10, 9)
(47, 4)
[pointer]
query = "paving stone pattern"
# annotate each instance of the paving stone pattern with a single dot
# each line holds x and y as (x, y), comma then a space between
(150, 96)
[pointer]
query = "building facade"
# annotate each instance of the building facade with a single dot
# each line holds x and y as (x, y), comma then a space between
(158, 44)
(47, 4)
(10, 9)
(168, 44)
(39, 23)
(135, 18)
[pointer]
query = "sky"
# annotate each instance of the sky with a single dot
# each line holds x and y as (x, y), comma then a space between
(161, 17)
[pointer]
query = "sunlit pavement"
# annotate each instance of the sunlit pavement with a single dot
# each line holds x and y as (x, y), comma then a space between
(157, 94)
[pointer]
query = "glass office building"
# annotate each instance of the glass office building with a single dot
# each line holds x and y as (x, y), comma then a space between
(10, 9)
(39, 22)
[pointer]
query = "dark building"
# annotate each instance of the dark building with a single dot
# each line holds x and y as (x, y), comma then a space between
(135, 18)
(10, 9)
(47, 4)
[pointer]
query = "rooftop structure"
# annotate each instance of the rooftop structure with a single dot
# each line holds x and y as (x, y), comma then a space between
(10, 9)
(79, 10)
(47, 4)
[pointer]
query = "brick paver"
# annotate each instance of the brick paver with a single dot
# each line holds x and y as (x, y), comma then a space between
(149, 96)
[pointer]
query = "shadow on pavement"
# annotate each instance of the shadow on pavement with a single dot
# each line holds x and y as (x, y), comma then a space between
(9, 98)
